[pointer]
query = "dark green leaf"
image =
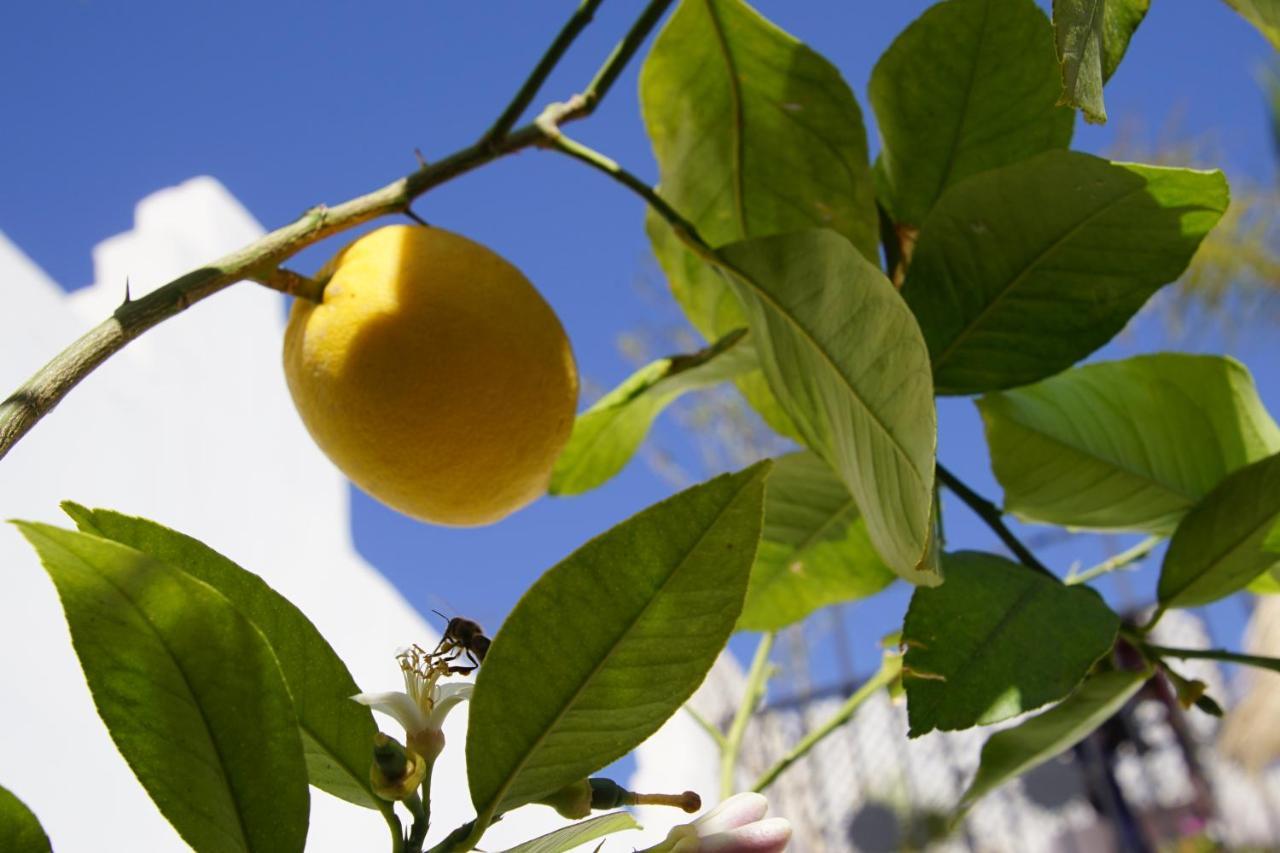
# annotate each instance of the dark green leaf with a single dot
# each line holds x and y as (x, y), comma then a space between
(1014, 751)
(844, 357)
(607, 435)
(1263, 14)
(1079, 27)
(1125, 445)
(1219, 547)
(1022, 271)
(574, 836)
(814, 550)
(755, 134)
(20, 832)
(337, 734)
(189, 689)
(996, 640)
(1120, 20)
(611, 641)
(969, 86)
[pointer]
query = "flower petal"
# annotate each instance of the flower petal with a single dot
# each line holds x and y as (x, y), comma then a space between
(398, 705)
(763, 836)
(736, 811)
(447, 696)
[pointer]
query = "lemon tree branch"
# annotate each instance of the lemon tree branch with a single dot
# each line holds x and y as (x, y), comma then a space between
(260, 260)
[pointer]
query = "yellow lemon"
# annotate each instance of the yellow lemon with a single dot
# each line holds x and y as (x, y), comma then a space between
(434, 375)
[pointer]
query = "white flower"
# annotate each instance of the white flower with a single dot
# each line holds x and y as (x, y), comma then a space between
(737, 825)
(423, 705)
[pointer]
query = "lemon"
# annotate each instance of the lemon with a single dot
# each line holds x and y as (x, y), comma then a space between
(434, 375)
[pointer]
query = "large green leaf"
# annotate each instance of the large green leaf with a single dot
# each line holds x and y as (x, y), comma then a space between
(337, 734)
(1022, 271)
(1014, 751)
(607, 435)
(20, 832)
(1263, 14)
(609, 643)
(575, 835)
(996, 640)
(755, 134)
(845, 358)
(1125, 445)
(1219, 547)
(189, 689)
(814, 550)
(1092, 37)
(969, 86)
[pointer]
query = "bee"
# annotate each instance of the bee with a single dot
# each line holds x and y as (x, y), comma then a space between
(461, 636)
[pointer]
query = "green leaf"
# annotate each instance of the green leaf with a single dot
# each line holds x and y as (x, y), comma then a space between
(814, 550)
(1263, 14)
(570, 837)
(996, 640)
(969, 86)
(1120, 19)
(1022, 271)
(190, 691)
(755, 134)
(610, 642)
(20, 831)
(607, 435)
(1014, 751)
(1125, 445)
(844, 357)
(1219, 547)
(337, 734)
(1080, 34)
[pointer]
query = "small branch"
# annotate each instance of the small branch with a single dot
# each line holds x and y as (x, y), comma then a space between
(707, 726)
(22, 409)
(991, 514)
(757, 679)
(1216, 654)
(527, 92)
(1124, 558)
(290, 282)
(418, 833)
(888, 671)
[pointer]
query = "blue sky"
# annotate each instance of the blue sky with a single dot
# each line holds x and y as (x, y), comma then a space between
(290, 104)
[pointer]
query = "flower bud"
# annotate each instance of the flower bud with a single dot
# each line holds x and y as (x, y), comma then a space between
(396, 772)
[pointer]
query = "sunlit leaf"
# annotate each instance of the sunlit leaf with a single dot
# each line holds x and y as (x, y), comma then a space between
(337, 734)
(996, 640)
(1022, 271)
(969, 86)
(1120, 20)
(845, 359)
(189, 690)
(1219, 547)
(607, 435)
(755, 134)
(814, 550)
(1014, 751)
(1092, 37)
(571, 837)
(1125, 445)
(20, 831)
(1263, 14)
(610, 642)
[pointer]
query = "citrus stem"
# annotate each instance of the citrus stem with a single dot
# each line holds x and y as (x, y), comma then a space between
(260, 260)
(1119, 561)
(757, 680)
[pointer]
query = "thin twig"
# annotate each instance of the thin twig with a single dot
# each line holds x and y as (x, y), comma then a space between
(290, 282)
(1215, 654)
(1119, 561)
(757, 679)
(706, 725)
(529, 90)
(991, 514)
(888, 671)
(22, 409)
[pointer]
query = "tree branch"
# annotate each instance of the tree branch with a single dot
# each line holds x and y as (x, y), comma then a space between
(991, 514)
(261, 259)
